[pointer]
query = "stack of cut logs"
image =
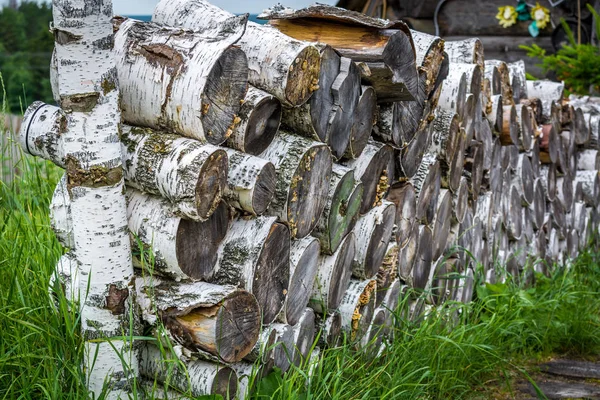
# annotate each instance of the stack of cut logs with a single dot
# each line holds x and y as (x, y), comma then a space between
(288, 182)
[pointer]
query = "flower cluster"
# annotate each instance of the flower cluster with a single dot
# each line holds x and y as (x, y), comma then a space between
(539, 15)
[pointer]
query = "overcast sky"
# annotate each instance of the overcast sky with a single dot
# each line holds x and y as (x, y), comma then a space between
(145, 7)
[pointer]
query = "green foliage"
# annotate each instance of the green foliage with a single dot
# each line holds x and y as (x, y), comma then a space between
(25, 51)
(578, 65)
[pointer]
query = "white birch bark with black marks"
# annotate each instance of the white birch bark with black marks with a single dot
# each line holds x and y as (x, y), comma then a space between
(255, 255)
(250, 182)
(303, 171)
(179, 248)
(304, 261)
(278, 64)
(191, 83)
(357, 307)
(333, 275)
(341, 209)
(588, 160)
(518, 80)
(454, 92)
(61, 219)
(474, 75)
(375, 169)
(590, 182)
(429, 50)
(547, 92)
(467, 51)
(200, 378)
(43, 132)
(191, 175)
(223, 321)
(260, 116)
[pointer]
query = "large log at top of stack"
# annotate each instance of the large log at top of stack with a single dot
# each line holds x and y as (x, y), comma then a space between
(191, 83)
(303, 171)
(375, 169)
(260, 116)
(223, 321)
(191, 175)
(255, 255)
(278, 64)
(341, 210)
(381, 46)
(182, 248)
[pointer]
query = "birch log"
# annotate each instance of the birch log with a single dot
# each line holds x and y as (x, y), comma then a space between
(526, 127)
(191, 83)
(496, 114)
(260, 116)
(523, 179)
(403, 196)
(388, 271)
(333, 275)
(304, 335)
(373, 232)
(460, 201)
(60, 214)
(443, 277)
(191, 175)
(304, 261)
(43, 132)
(588, 160)
(220, 320)
(518, 80)
(474, 76)
(330, 328)
(200, 378)
(429, 50)
(365, 116)
(390, 60)
(441, 223)
(448, 145)
(467, 51)
(85, 87)
(250, 182)
(411, 156)
(303, 170)
(538, 205)
(278, 64)
(547, 92)
(548, 180)
(427, 186)
(375, 169)
(283, 352)
(357, 307)
(510, 127)
(454, 92)
(408, 254)
(590, 182)
(422, 266)
(505, 82)
(182, 248)
(255, 255)
(341, 209)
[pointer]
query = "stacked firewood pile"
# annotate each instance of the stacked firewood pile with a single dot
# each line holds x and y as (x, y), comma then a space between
(290, 182)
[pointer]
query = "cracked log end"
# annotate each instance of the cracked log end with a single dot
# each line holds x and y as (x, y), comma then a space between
(308, 190)
(302, 76)
(264, 189)
(197, 243)
(301, 283)
(226, 85)
(212, 181)
(232, 327)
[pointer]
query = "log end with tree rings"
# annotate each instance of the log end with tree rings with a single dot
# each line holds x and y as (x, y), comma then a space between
(442, 223)
(460, 201)
(408, 253)
(284, 348)
(211, 183)
(412, 154)
(333, 275)
(524, 179)
(260, 117)
(264, 189)
(496, 114)
(305, 258)
(469, 117)
(423, 260)
(365, 115)
(581, 125)
(302, 76)
(197, 243)
(404, 68)
(402, 194)
(308, 191)
(357, 307)
(304, 334)
(373, 232)
(233, 324)
(510, 128)
(427, 186)
(513, 219)
(526, 125)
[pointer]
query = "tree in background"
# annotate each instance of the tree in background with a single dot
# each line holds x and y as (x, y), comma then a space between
(25, 51)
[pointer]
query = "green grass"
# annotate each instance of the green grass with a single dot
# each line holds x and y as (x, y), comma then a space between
(456, 352)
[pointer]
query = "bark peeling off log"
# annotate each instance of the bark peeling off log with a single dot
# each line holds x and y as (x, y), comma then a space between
(303, 172)
(255, 256)
(333, 275)
(250, 182)
(304, 261)
(403, 196)
(278, 64)
(430, 55)
(357, 307)
(365, 116)
(221, 320)
(191, 175)
(373, 232)
(260, 115)
(172, 62)
(375, 169)
(182, 248)
(341, 210)
(201, 378)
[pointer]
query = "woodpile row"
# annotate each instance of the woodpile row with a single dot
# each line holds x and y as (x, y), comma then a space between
(291, 182)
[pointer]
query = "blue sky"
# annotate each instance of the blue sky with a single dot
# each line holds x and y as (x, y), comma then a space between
(145, 7)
